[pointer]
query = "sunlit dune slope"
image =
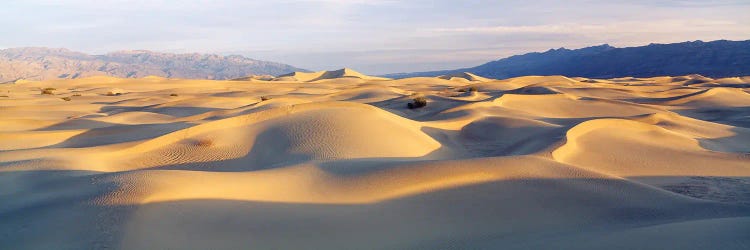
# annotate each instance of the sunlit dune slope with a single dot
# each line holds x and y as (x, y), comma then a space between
(289, 162)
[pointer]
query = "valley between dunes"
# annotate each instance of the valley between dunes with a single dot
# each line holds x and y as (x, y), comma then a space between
(336, 160)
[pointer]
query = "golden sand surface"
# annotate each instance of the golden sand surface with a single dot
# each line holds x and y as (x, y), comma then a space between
(336, 160)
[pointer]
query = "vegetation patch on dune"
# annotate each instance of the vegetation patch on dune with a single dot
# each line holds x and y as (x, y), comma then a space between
(48, 91)
(469, 89)
(417, 103)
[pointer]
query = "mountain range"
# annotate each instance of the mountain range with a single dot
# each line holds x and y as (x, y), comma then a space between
(712, 59)
(37, 63)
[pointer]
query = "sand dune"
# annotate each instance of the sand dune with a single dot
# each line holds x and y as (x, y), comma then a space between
(326, 75)
(593, 145)
(570, 106)
(464, 76)
(721, 97)
(336, 160)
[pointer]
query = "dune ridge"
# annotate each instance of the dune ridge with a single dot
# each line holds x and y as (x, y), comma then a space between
(326, 75)
(527, 162)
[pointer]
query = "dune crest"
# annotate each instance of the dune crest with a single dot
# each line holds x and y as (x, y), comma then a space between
(326, 75)
(527, 162)
(464, 76)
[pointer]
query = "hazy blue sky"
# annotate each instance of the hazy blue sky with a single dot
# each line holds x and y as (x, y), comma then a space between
(373, 36)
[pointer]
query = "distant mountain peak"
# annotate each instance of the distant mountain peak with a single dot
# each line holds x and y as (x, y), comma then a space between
(135, 51)
(603, 46)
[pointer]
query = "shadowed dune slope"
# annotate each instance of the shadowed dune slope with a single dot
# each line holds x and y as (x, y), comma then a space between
(326, 75)
(534, 162)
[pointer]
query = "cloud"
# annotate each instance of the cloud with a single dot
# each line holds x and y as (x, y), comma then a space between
(656, 26)
(348, 2)
(392, 35)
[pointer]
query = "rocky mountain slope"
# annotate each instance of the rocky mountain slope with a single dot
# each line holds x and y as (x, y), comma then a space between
(713, 59)
(37, 63)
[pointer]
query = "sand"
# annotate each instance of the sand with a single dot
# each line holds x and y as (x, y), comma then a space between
(336, 160)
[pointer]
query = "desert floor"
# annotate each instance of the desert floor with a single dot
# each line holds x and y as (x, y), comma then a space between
(338, 161)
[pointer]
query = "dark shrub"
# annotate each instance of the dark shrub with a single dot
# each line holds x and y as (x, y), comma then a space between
(417, 103)
(204, 143)
(470, 89)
